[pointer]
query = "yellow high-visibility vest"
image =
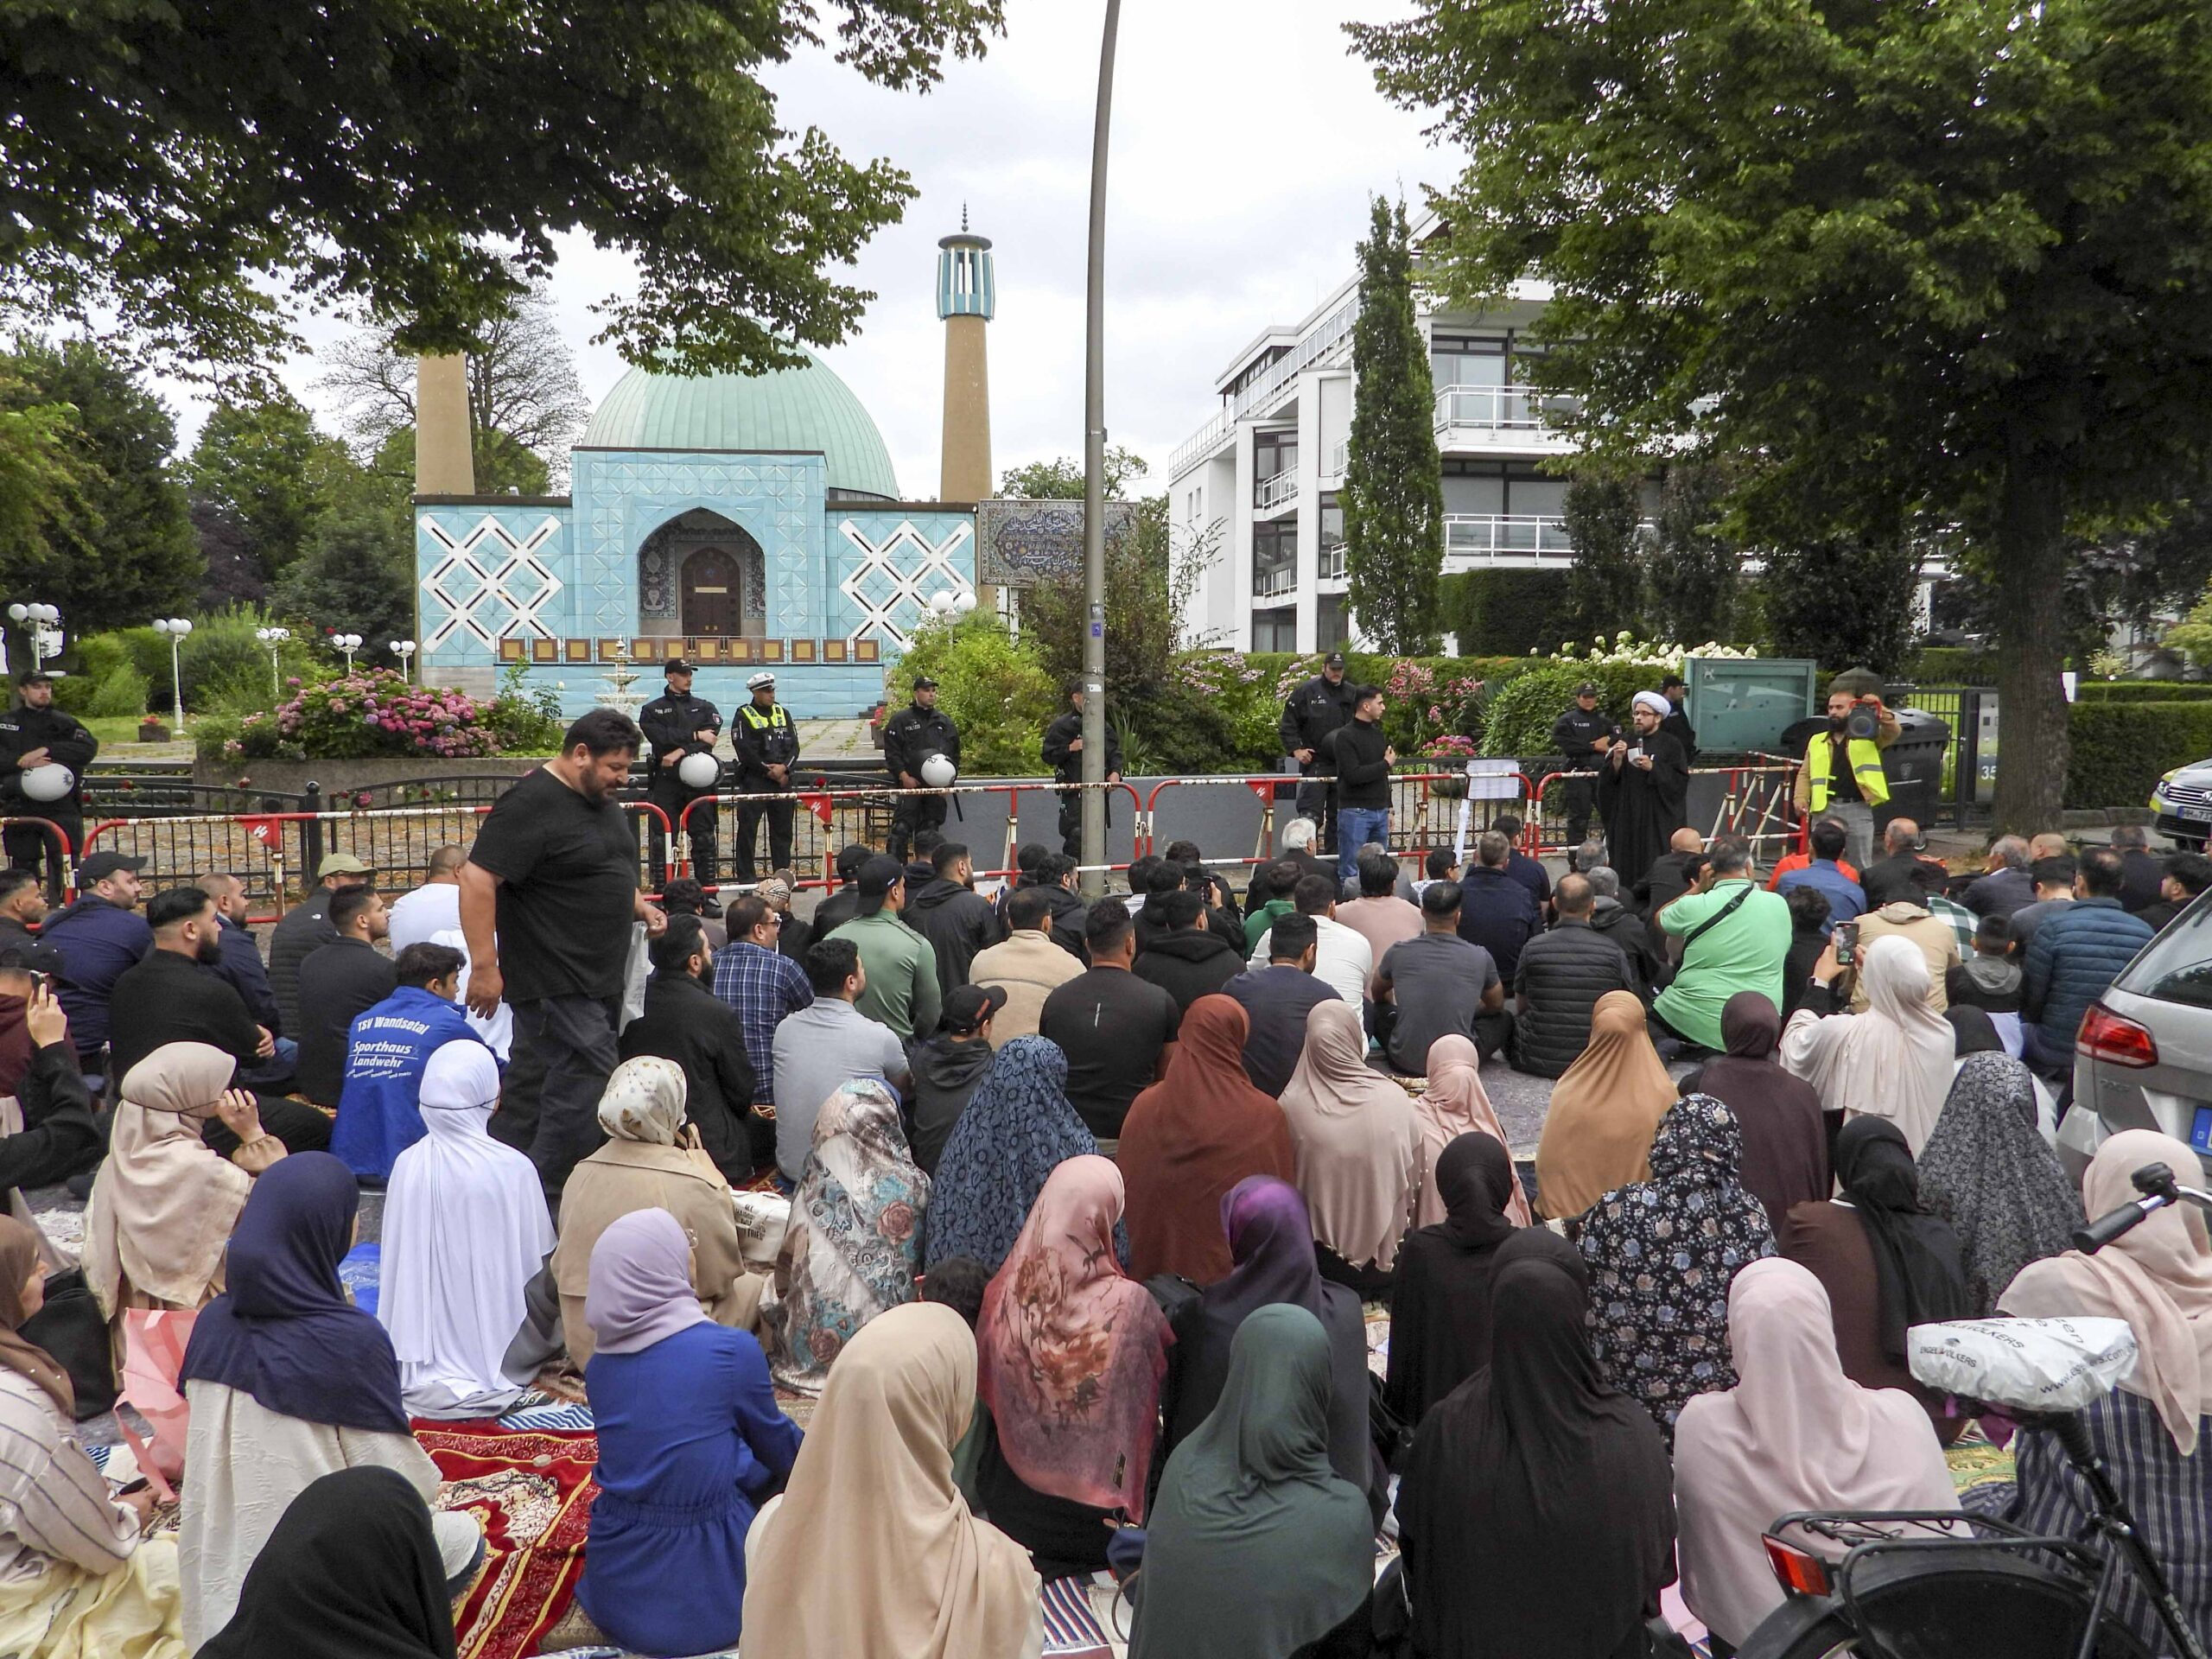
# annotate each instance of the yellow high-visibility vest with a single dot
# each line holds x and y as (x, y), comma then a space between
(1865, 759)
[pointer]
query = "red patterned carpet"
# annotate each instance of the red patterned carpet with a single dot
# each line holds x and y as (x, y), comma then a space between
(531, 1491)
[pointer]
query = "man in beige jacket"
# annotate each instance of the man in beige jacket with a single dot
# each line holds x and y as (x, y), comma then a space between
(1933, 936)
(1027, 965)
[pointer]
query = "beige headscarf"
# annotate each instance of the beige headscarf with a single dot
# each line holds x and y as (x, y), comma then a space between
(874, 1484)
(1604, 1111)
(644, 1101)
(1892, 1061)
(1357, 1141)
(2159, 1278)
(1456, 1103)
(163, 1205)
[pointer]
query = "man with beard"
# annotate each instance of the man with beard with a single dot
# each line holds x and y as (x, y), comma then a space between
(176, 993)
(1641, 788)
(1842, 777)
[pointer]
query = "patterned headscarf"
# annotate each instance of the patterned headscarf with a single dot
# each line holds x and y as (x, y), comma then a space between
(1660, 1255)
(1015, 1130)
(644, 1101)
(860, 1201)
(1987, 1171)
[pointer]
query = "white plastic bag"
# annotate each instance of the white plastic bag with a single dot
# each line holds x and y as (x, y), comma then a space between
(2024, 1364)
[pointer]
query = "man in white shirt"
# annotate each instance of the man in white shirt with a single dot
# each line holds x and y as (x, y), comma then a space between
(1344, 960)
(432, 908)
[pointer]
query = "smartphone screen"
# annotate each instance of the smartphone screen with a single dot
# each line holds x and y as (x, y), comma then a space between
(1846, 943)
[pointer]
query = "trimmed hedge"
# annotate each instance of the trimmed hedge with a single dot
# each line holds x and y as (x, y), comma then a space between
(1953, 665)
(1503, 613)
(2142, 691)
(2121, 749)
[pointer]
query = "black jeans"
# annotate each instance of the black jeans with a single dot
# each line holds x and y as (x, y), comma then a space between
(563, 1053)
(1317, 799)
(29, 848)
(912, 815)
(300, 1127)
(750, 812)
(671, 797)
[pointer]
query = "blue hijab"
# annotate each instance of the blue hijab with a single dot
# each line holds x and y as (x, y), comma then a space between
(1017, 1129)
(284, 1330)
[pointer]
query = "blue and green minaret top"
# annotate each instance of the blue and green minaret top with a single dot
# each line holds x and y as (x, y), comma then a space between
(966, 285)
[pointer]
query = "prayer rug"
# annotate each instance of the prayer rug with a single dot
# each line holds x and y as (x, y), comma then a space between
(530, 1489)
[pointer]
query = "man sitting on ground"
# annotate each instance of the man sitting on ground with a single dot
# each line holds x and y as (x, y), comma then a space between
(1907, 915)
(1378, 915)
(337, 984)
(1438, 985)
(841, 906)
(241, 963)
(22, 907)
(305, 928)
(1497, 911)
(1901, 862)
(60, 1137)
(1825, 871)
(1563, 973)
(948, 1068)
(1673, 873)
(1344, 960)
(422, 913)
(1027, 965)
(1992, 979)
(1809, 944)
(1442, 864)
(682, 895)
(1276, 1000)
(754, 975)
(1163, 877)
(1189, 959)
(1271, 899)
(826, 1043)
(2145, 870)
(957, 921)
(901, 990)
(1735, 937)
(379, 1109)
(1186, 854)
(686, 1022)
(2053, 876)
(98, 937)
(2187, 875)
(1298, 838)
(1649, 969)
(2005, 885)
(1114, 1028)
(1529, 872)
(176, 993)
(2078, 951)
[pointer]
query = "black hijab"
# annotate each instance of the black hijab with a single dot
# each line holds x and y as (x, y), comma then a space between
(1919, 1275)
(1785, 1160)
(1536, 1514)
(1440, 1295)
(1974, 1031)
(351, 1570)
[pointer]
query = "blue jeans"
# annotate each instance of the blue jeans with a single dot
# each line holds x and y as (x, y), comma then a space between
(1356, 827)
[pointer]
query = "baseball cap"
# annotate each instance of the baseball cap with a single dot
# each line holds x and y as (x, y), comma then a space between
(772, 891)
(676, 665)
(1587, 689)
(33, 676)
(1334, 660)
(851, 858)
(100, 866)
(967, 1007)
(878, 876)
(759, 680)
(342, 864)
(924, 680)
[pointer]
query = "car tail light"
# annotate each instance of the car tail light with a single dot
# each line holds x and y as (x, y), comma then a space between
(1796, 1571)
(2107, 1036)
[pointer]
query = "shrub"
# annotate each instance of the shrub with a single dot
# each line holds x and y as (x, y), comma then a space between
(2141, 692)
(1503, 613)
(993, 686)
(123, 692)
(1238, 693)
(1953, 665)
(525, 719)
(374, 712)
(226, 669)
(2119, 750)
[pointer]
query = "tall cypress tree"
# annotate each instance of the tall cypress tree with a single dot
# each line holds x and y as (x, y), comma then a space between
(1393, 494)
(1604, 590)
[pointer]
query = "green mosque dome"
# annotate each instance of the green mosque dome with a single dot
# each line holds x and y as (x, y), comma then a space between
(805, 408)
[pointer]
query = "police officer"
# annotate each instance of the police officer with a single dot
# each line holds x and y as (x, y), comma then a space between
(35, 734)
(1583, 733)
(910, 737)
(766, 742)
(1315, 709)
(677, 724)
(1063, 754)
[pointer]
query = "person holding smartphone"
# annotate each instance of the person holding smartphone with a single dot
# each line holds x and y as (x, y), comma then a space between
(1642, 788)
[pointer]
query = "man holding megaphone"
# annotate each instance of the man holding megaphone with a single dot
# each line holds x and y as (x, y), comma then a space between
(683, 729)
(43, 756)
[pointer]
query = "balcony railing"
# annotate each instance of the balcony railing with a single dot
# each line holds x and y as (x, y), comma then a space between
(1327, 341)
(1332, 563)
(1492, 409)
(1280, 491)
(1279, 582)
(1339, 458)
(1485, 537)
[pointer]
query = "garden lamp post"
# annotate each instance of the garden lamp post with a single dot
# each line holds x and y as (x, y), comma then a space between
(176, 627)
(38, 623)
(348, 643)
(273, 638)
(404, 649)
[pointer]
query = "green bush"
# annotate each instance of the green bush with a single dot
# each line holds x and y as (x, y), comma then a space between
(1503, 613)
(1953, 665)
(226, 669)
(1521, 714)
(2121, 749)
(73, 694)
(993, 686)
(2142, 691)
(124, 692)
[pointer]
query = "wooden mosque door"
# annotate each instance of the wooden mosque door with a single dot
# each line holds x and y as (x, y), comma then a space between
(711, 598)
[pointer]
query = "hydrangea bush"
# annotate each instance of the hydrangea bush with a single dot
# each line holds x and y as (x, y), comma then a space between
(369, 713)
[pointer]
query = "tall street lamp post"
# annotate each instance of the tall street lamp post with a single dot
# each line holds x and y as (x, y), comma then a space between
(1094, 482)
(176, 627)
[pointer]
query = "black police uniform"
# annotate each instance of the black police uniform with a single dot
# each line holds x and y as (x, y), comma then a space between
(763, 739)
(64, 738)
(1575, 735)
(1067, 766)
(668, 722)
(1314, 711)
(910, 737)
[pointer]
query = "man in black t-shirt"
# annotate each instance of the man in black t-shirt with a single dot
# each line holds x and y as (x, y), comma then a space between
(547, 898)
(1111, 1025)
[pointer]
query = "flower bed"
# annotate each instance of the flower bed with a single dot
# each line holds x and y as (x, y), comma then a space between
(369, 713)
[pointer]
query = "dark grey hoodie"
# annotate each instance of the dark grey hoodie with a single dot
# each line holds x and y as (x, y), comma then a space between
(957, 921)
(946, 1070)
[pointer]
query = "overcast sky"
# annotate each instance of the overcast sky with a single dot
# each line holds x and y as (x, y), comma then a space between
(1246, 144)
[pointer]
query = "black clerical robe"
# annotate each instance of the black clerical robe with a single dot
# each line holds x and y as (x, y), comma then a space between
(1641, 808)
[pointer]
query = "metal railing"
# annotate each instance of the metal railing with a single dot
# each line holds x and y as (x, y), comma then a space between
(1332, 563)
(1278, 582)
(1493, 409)
(1201, 443)
(1496, 537)
(1280, 491)
(1327, 340)
(1339, 458)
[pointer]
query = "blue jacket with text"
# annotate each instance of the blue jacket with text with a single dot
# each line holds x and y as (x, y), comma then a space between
(379, 1110)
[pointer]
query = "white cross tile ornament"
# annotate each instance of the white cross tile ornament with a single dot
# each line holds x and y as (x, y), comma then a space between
(491, 585)
(892, 584)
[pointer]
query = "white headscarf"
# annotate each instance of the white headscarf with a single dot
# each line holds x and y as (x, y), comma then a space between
(1892, 1061)
(465, 1230)
(1651, 700)
(644, 1100)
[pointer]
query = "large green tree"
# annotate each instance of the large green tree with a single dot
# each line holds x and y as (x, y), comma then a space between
(357, 573)
(1393, 492)
(1604, 515)
(1947, 257)
(261, 467)
(112, 543)
(1693, 566)
(1845, 604)
(175, 162)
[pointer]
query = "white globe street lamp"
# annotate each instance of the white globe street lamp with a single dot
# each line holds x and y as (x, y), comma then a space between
(348, 643)
(176, 627)
(404, 649)
(43, 638)
(273, 638)
(941, 604)
(965, 603)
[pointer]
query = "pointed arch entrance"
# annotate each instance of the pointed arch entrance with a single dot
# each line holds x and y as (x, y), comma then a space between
(702, 575)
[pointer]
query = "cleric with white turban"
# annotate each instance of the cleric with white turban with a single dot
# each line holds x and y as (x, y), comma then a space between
(1642, 789)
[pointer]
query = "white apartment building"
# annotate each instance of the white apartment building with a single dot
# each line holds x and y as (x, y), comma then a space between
(1263, 474)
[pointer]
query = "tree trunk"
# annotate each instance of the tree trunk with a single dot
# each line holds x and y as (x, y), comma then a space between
(2032, 737)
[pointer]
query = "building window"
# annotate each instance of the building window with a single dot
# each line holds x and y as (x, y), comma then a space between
(1468, 360)
(1272, 452)
(1331, 623)
(1276, 630)
(1274, 559)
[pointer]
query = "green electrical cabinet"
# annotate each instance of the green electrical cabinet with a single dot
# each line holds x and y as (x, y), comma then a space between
(1744, 704)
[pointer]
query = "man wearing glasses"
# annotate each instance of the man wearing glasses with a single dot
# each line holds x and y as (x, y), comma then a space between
(763, 985)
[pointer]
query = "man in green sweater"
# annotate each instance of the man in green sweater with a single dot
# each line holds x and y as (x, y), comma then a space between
(902, 991)
(1735, 936)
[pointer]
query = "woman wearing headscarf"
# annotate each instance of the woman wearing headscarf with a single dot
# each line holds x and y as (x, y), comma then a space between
(465, 1231)
(1987, 1171)
(871, 1552)
(690, 1441)
(1271, 1244)
(1456, 1103)
(75, 1577)
(1072, 1352)
(1440, 1306)
(1256, 1549)
(1536, 1512)
(855, 1232)
(1357, 1147)
(1975, 1032)
(2148, 1435)
(1191, 1138)
(162, 1203)
(652, 1160)
(1660, 1255)
(353, 1568)
(1018, 1128)
(1785, 1142)
(1793, 1434)
(1886, 1261)
(288, 1381)
(1605, 1109)
(1894, 1061)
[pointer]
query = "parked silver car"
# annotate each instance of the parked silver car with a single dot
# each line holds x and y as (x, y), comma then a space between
(2182, 800)
(2143, 1059)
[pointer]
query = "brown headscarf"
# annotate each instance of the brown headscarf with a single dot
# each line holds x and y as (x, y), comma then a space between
(1785, 1161)
(1187, 1140)
(19, 1254)
(1603, 1112)
(1456, 1103)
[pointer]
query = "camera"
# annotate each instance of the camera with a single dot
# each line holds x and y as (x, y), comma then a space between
(1865, 719)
